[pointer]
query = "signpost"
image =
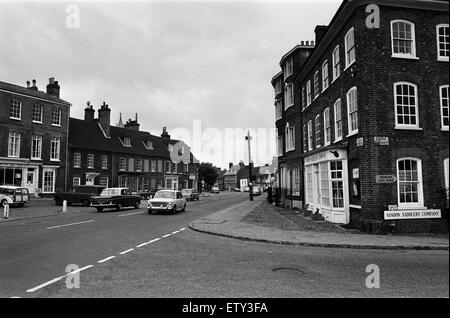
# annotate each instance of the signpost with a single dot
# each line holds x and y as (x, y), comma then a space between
(385, 178)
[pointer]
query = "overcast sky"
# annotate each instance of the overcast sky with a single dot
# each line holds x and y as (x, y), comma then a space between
(173, 63)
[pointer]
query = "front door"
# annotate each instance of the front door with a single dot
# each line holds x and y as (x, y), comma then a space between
(30, 181)
(317, 192)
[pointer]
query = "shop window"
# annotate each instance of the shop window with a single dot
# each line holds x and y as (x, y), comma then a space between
(355, 187)
(325, 184)
(337, 184)
(409, 182)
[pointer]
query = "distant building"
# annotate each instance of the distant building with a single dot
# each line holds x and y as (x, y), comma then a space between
(33, 137)
(230, 177)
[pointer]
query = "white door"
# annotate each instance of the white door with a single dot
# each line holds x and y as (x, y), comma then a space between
(31, 181)
(317, 192)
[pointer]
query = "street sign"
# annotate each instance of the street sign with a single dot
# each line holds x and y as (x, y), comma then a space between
(382, 141)
(385, 178)
(412, 214)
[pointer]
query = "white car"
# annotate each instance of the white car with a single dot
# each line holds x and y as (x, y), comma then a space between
(167, 201)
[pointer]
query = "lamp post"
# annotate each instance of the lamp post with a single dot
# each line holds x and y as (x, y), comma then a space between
(248, 138)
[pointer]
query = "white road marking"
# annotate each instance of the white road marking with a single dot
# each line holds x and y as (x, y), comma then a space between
(167, 235)
(31, 290)
(182, 229)
(175, 232)
(127, 251)
(79, 270)
(129, 214)
(70, 224)
(149, 242)
(106, 259)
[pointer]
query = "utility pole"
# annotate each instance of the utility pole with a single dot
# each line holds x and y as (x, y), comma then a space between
(248, 138)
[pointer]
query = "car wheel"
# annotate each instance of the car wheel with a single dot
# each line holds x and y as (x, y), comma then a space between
(119, 207)
(4, 202)
(85, 203)
(174, 210)
(136, 206)
(99, 209)
(184, 208)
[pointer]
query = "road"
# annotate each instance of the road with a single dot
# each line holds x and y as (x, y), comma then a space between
(132, 254)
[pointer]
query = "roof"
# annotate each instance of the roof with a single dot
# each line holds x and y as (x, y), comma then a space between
(88, 135)
(30, 92)
(232, 171)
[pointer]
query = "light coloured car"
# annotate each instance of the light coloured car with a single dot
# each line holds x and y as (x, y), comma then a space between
(257, 190)
(215, 190)
(167, 201)
(13, 195)
(190, 194)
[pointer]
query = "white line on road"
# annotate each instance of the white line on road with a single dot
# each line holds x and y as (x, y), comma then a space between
(175, 232)
(127, 251)
(79, 270)
(106, 259)
(149, 242)
(182, 229)
(31, 290)
(70, 224)
(167, 235)
(129, 214)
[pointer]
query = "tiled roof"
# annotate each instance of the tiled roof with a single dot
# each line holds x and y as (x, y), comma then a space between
(26, 91)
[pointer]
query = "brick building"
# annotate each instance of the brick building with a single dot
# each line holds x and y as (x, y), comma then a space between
(374, 116)
(33, 137)
(125, 156)
(230, 176)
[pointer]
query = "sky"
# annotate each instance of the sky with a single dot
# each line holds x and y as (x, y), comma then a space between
(202, 69)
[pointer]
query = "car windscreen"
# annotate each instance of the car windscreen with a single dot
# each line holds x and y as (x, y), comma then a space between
(164, 195)
(7, 191)
(108, 192)
(186, 191)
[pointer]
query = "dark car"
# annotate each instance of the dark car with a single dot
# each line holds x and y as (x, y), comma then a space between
(190, 194)
(147, 194)
(116, 198)
(80, 194)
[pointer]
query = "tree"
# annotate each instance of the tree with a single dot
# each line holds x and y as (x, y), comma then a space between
(208, 173)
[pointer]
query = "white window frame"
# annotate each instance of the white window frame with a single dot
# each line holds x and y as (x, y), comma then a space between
(100, 181)
(126, 142)
(317, 131)
(349, 118)
(411, 55)
(56, 119)
(416, 106)
(305, 138)
(442, 106)
(14, 105)
(44, 185)
(338, 120)
(148, 144)
(123, 164)
(14, 147)
(278, 109)
(325, 77)
(348, 61)
(310, 136)
(290, 137)
(41, 113)
(336, 63)
(36, 154)
(153, 166)
(446, 177)
(420, 203)
(280, 145)
(138, 165)
(326, 127)
(288, 67)
(308, 93)
(289, 95)
(303, 97)
(439, 56)
(104, 162)
(316, 85)
(90, 161)
(77, 160)
(76, 181)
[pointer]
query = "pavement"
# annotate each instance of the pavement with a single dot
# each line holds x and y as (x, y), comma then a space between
(234, 222)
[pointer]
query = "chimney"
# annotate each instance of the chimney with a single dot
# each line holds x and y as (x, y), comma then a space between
(165, 133)
(34, 87)
(89, 112)
(132, 124)
(53, 87)
(104, 116)
(241, 164)
(28, 84)
(320, 31)
(230, 165)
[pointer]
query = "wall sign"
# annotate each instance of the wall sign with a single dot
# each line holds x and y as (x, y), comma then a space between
(412, 214)
(359, 142)
(385, 178)
(382, 141)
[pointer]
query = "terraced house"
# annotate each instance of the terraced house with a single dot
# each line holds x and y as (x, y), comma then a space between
(33, 137)
(124, 156)
(374, 117)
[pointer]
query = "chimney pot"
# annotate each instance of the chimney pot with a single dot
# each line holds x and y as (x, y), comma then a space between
(28, 84)
(312, 42)
(307, 42)
(51, 80)
(34, 82)
(302, 43)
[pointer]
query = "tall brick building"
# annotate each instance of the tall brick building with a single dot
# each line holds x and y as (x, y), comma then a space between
(33, 137)
(374, 117)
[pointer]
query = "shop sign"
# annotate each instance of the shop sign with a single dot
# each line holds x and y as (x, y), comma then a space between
(412, 214)
(359, 142)
(382, 141)
(385, 178)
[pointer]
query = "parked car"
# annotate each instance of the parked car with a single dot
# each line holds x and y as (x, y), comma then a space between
(13, 195)
(167, 201)
(190, 194)
(246, 189)
(256, 190)
(80, 194)
(237, 190)
(115, 198)
(215, 190)
(147, 194)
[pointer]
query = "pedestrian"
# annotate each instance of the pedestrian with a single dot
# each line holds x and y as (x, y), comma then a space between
(5, 210)
(269, 195)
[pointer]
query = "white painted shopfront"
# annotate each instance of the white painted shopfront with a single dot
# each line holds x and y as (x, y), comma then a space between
(20, 172)
(326, 185)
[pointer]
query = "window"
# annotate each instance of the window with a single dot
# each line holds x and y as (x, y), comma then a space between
(352, 109)
(123, 164)
(310, 136)
(37, 114)
(409, 176)
(325, 183)
(153, 166)
(104, 162)
(280, 145)
(138, 165)
(326, 127)
(278, 109)
(406, 109)
(350, 56)
(309, 184)
(336, 63)
(168, 166)
(15, 110)
(403, 39)
(318, 132)
(289, 95)
(337, 184)
(443, 45)
(316, 84)
(278, 85)
(170, 147)
(303, 97)
(56, 117)
(308, 93)
(337, 120)
(103, 181)
(324, 75)
(36, 147)
(14, 145)
(446, 176)
(290, 137)
(76, 181)
(48, 184)
(305, 139)
(160, 166)
(443, 94)
(288, 67)
(77, 160)
(90, 161)
(127, 141)
(296, 182)
(174, 167)
(186, 167)
(148, 144)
